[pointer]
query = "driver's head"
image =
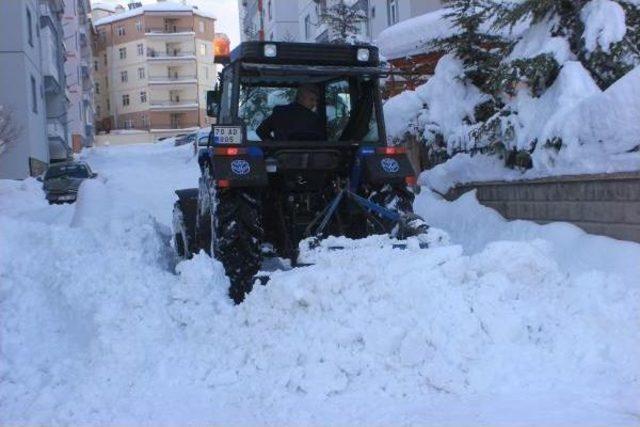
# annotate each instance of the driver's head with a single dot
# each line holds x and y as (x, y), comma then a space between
(307, 96)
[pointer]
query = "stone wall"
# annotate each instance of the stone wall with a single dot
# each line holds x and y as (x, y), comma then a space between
(605, 204)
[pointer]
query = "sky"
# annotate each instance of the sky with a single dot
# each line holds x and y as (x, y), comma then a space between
(226, 12)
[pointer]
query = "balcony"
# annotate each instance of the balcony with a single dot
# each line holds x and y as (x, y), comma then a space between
(171, 30)
(55, 130)
(175, 126)
(175, 79)
(178, 104)
(170, 55)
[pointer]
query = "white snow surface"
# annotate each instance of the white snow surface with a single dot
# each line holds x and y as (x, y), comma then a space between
(605, 24)
(507, 323)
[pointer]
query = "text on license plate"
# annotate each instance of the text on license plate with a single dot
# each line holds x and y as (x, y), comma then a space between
(227, 135)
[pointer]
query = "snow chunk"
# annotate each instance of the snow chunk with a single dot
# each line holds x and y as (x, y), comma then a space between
(605, 24)
(400, 111)
(537, 40)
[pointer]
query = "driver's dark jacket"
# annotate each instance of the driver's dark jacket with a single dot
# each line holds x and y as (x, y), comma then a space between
(293, 122)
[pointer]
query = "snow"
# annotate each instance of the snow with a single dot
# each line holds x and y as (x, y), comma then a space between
(537, 40)
(605, 24)
(165, 6)
(413, 36)
(403, 111)
(507, 323)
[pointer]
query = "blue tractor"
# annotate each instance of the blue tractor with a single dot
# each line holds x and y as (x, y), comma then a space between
(260, 197)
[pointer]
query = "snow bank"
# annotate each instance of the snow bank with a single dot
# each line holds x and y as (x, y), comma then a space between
(510, 323)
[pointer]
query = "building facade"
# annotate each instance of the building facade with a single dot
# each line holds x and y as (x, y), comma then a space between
(33, 86)
(153, 65)
(300, 20)
(79, 35)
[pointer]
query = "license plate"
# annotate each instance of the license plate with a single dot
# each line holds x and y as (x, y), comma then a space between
(227, 135)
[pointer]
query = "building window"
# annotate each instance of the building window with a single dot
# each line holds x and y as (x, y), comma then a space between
(201, 26)
(29, 27)
(121, 31)
(34, 96)
(203, 49)
(140, 49)
(128, 124)
(271, 36)
(392, 12)
(143, 97)
(307, 27)
(373, 12)
(98, 111)
(97, 85)
(269, 10)
(139, 26)
(95, 65)
(125, 100)
(206, 72)
(145, 121)
(124, 76)
(106, 83)
(108, 105)
(105, 59)
(123, 52)
(141, 74)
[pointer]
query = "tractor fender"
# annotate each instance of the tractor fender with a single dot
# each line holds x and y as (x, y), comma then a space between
(244, 169)
(387, 168)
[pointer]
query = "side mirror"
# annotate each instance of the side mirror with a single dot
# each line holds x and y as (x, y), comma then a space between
(213, 102)
(40, 178)
(94, 175)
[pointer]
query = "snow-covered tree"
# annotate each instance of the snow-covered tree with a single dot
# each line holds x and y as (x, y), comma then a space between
(604, 35)
(481, 51)
(344, 20)
(9, 130)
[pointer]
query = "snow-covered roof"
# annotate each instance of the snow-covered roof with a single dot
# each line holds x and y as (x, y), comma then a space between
(413, 36)
(104, 6)
(154, 7)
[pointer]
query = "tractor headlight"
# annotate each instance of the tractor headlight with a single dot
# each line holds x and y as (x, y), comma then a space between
(363, 55)
(270, 50)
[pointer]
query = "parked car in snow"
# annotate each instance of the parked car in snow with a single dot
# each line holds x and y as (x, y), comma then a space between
(62, 181)
(185, 139)
(201, 140)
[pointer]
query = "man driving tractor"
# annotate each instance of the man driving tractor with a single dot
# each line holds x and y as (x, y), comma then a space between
(297, 121)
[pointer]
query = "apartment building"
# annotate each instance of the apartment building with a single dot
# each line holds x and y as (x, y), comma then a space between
(300, 20)
(33, 85)
(153, 65)
(269, 20)
(79, 34)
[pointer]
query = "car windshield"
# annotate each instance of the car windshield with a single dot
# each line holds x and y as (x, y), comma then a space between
(70, 171)
(345, 106)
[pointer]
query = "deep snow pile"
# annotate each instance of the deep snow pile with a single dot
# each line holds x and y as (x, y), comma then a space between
(509, 322)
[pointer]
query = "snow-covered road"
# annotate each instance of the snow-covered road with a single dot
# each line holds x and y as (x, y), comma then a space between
(510, 323)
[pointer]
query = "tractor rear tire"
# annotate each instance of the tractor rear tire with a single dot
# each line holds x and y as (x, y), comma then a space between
(184, 214)
(237, 237)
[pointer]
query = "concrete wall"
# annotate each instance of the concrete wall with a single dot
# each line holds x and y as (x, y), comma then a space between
(606, 204)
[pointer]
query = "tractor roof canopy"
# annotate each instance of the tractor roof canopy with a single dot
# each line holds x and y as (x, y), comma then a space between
(286, 53)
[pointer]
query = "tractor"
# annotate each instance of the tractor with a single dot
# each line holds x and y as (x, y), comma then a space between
(260, 199)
